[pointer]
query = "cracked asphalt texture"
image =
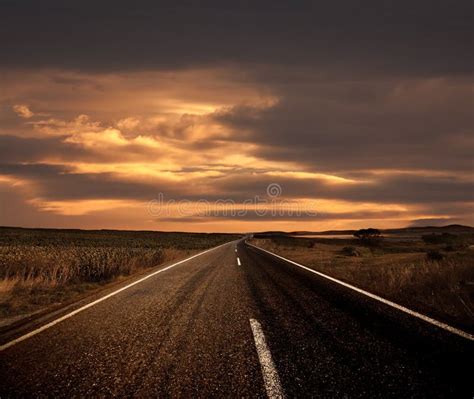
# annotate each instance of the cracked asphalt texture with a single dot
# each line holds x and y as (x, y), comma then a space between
(185, 333)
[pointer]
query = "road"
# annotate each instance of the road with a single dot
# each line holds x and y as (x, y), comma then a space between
(238, 322)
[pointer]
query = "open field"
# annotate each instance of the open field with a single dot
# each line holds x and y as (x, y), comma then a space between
(43, 267)
(436, 278)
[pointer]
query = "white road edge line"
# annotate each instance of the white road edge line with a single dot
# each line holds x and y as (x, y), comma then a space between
(238, 261)
(269, 371)
(401, 308)
(74, 312)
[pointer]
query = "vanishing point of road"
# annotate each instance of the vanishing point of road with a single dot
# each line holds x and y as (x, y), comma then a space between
(234, 321)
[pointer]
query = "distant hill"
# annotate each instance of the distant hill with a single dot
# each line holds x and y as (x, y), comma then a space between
(452, 228)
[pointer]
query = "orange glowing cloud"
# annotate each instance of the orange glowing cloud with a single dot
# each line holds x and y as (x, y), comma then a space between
(116, 141)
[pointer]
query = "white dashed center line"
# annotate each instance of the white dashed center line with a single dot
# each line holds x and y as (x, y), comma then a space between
(238, 262)
(270, 374)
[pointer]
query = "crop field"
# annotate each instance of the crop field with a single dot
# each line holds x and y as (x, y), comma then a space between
(434, 276)
(42, 267)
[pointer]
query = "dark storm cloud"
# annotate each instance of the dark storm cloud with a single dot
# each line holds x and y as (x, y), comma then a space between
(349, 125)
(428, 37)
(18, 149)
(385, 189)
(15, 149)
(60, 183)
(57, 183)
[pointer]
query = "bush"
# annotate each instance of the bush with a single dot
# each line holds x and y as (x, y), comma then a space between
(370, 236)
(350, 251)
(445, 238)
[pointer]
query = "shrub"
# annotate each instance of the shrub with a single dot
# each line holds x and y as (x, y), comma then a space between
(445, 238)
(350, 251)
(369, 236)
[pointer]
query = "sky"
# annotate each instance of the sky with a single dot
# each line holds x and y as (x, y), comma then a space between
(236, 116)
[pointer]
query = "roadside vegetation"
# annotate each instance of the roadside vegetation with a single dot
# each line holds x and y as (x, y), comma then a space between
(433, 274)
(43, 267)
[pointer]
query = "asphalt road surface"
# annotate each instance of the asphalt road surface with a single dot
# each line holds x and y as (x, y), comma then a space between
(238, 322)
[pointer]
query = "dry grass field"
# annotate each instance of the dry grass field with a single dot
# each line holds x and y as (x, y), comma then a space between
(43, 267)
(435, 279)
